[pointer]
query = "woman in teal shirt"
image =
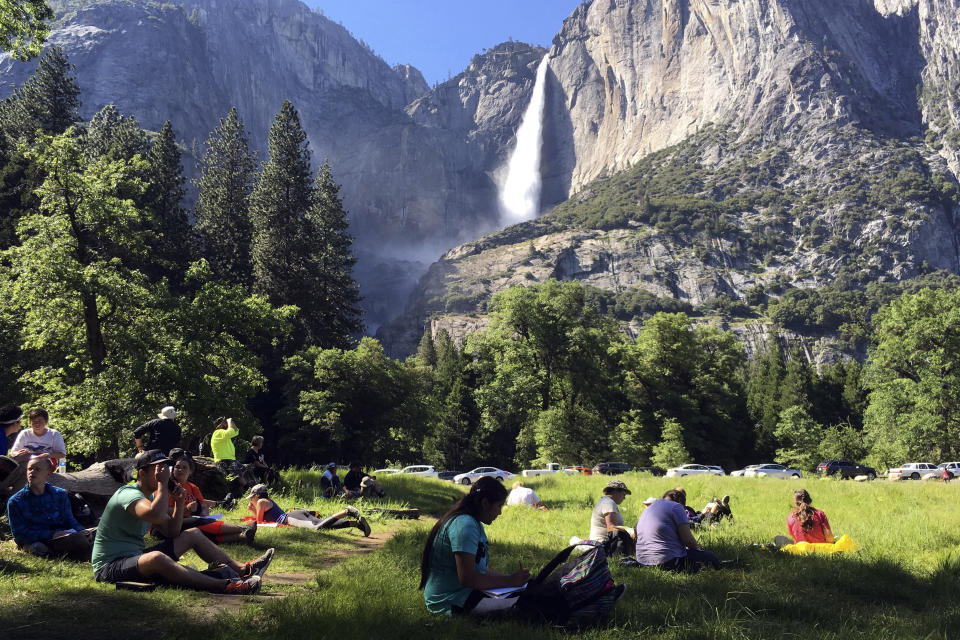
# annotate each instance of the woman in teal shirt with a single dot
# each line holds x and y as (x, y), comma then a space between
(453, 570)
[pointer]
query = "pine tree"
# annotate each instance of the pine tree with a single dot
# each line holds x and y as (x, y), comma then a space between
(336, 315)
(49, 100)
(165, 193)
(671, 451)
(114, 136)
(228, 172)
(278, 209)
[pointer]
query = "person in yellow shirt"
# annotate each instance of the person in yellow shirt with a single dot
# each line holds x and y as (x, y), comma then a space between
(221, 444)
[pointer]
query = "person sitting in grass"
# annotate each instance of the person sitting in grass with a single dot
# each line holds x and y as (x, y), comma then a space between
(119, 554)
(196, 511)
(606, 517)
(330, 483)
(39, 438)
(266, 511)
(664, 539)
(523, 495)
(10, 416)
(41, 520)
(805, 523)
(357, 484)
(453, 568)
(256, 463)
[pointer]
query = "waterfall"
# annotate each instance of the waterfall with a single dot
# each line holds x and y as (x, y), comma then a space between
(520, 192)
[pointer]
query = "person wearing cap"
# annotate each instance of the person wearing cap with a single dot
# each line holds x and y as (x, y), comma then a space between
(10, 416)
(330, 482)
(119, 554)
(606, 515)
(163, 432)
(267, 511)
(358, 484)
(664, 539)
(41, 519)
(39, 438)
(521, 495)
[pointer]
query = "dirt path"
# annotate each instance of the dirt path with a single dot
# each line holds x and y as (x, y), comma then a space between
(362, 546)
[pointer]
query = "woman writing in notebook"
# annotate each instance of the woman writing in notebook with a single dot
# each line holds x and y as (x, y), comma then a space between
(453, 571)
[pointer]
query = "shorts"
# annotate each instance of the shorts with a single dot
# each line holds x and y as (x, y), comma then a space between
(127, 569)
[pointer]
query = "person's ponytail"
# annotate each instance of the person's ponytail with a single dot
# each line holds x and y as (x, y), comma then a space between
(802, 509)
(485, 488)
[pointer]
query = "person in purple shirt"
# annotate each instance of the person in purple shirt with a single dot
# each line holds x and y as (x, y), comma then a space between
(40, 517)
(664, 539)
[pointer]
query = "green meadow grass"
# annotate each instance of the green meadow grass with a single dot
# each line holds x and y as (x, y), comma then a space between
(904, 582)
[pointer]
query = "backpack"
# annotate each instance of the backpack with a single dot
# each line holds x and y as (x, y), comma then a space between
(619, 543)
(580, 594)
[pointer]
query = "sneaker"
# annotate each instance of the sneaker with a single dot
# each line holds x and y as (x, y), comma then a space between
(246, 587)
(364, 526)
(259, 566)
(353, 511)
(249, 533)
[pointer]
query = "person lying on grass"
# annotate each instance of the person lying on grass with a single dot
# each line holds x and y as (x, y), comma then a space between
(664, 539)
(118, 549)
(266, 510)
(805, 523)
(41, 520)
(195, 507)
(453, 568)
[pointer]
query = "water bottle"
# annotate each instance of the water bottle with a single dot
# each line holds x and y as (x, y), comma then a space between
(62, 466)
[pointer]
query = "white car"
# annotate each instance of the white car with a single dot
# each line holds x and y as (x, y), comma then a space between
(384, 472)
(911, 471)
(693, 469)
(419, 470)
(774, 470)
(740, 472)
(953, 468)
(472, 476)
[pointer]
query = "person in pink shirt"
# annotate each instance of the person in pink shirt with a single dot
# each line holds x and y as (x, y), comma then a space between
(805, 523)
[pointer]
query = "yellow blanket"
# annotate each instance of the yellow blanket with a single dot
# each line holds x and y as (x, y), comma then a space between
(843, 544)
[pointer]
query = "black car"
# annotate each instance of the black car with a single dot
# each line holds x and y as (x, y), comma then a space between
(447, 475)
(845, 469)
(612, 468)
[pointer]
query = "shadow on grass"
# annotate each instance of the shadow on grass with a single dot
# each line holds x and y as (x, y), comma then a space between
(10, 565)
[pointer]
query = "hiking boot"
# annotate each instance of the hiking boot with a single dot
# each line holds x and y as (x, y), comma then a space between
(364, 526)
(353, 511)
(249, 533)
(246, 587)
(259, 566)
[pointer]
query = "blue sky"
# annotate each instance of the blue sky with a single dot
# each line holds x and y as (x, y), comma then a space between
(440, 36)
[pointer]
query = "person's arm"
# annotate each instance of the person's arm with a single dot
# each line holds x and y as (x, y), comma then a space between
(608, 520)
(59, 447)
(155, 511)
(263, 505)
(232, 430)
(827, 533)
(203, 509)
(686, 537)
(473, 579)
(138, 436)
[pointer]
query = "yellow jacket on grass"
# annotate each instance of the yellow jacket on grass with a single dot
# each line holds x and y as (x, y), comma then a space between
(843, 544)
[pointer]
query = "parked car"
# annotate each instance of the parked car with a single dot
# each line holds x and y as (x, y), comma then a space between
(385, 472)
(774, 470)
(654, 471)
(740, 472)
(472, 476)
(447, 475)
(549, 469)
(845, 469)
(425, 470)
(692, 469)
(718, 468)
(911, 471)
(578, 468)
(953, 468)
(612, 468)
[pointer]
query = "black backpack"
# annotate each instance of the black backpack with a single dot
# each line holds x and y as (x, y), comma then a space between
(579, 594)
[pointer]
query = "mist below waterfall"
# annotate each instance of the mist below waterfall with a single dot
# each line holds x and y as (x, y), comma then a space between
(520, 191)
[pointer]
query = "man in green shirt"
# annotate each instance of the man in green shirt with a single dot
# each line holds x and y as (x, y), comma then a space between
(119, 553)
(221, 442)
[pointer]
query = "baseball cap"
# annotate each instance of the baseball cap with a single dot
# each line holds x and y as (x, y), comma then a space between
(150, 458)
(258, 490)
(649, 501)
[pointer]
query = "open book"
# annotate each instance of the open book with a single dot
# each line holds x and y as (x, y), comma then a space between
(504, 591)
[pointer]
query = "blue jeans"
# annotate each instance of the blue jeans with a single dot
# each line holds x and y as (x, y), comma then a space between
(692, 561)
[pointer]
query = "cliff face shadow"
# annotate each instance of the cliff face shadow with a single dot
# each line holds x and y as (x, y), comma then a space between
(559, 156)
